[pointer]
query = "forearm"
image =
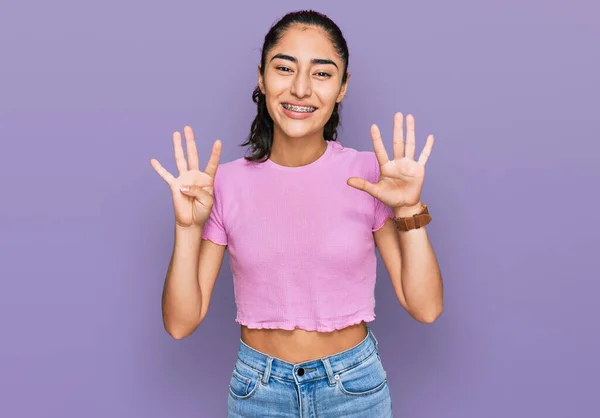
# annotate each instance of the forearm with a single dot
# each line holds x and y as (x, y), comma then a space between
(182, 298)
(420, 272)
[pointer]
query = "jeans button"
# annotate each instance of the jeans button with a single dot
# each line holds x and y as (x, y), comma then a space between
(300, 371)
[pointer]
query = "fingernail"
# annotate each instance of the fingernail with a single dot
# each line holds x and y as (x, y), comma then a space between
(185, 188)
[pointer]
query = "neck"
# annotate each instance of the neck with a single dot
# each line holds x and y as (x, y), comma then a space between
(297, 152)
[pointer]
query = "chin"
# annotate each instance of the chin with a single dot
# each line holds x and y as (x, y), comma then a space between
(299, 128)
(295, 131)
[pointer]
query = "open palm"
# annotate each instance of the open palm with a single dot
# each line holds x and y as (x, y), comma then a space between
(401, 179)
(192, 190)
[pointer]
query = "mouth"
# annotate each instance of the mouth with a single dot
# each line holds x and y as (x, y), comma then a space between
(298, 109)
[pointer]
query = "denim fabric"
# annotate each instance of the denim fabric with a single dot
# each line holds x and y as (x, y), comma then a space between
(349, 384)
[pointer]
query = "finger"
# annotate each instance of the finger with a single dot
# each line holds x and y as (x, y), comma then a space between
(213, 161)
(166, 176)
(426, 151)
(192, 151)
(364, 185)
(179, 157)
(198, 193)
(378, 146)
(398, 140)
(409, 147)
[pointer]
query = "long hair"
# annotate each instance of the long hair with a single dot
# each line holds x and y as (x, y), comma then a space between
(260, 138)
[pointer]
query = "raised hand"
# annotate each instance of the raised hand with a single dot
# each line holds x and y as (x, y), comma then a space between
(401, 178)
(192, 190)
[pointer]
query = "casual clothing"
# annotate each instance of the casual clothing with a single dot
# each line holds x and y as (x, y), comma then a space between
(299, 239)
(349, 384)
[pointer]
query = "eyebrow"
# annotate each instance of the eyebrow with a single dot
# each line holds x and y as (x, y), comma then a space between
(314, 60)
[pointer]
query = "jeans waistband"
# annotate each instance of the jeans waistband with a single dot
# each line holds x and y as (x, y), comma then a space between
(309, 370)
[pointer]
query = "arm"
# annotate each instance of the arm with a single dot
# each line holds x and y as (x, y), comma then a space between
(413, 269)
(408, 256)
(193, 270)
(195, 263)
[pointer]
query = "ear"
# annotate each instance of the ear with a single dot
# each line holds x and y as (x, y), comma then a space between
(343, 89)
(261, 82)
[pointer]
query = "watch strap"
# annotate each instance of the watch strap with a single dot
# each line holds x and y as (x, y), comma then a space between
(415, 221)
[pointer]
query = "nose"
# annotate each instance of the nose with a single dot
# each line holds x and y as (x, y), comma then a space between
(301, 85)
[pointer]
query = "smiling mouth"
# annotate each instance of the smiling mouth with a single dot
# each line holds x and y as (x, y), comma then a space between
(299, 109)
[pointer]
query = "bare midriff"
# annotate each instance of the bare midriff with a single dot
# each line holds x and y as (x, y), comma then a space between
(295, 346)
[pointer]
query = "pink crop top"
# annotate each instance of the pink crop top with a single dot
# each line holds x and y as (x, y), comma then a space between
(300, 240)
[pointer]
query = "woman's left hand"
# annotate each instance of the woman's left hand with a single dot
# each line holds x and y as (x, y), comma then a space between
(401, 179)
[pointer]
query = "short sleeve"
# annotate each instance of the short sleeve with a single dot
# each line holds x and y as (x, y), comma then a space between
(214, 228)
(382, 212)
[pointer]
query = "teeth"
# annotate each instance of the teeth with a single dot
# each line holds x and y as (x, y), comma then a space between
(304, 109)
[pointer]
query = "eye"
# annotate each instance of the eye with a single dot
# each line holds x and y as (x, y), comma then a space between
(323, 74)
(284, 69)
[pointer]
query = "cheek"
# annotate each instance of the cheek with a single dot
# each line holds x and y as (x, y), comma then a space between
(275, 86)
(274, 91)
(328, 95)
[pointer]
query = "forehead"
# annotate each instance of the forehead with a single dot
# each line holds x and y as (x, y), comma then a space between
(305, 43)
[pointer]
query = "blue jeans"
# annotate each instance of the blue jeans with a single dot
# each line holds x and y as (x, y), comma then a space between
(349, 384)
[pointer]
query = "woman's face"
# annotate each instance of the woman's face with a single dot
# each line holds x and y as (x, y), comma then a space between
(302, 81)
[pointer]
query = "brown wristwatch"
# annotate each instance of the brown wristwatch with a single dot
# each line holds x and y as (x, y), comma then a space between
(413, 222)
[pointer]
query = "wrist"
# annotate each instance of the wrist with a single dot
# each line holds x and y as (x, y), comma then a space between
(407, 211)
(193, 229)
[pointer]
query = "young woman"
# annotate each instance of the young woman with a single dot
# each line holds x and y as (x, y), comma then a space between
(300, 217)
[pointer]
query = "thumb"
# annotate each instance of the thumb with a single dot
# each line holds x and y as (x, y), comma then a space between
(362, 184)
(198, 193)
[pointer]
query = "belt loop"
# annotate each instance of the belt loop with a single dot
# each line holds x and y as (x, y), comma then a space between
(329, 371)
(265, 378)
(372, 335)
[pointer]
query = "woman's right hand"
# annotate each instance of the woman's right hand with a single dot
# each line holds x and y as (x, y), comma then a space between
(193, 189)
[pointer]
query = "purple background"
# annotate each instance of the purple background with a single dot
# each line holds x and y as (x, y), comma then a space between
(90, 92)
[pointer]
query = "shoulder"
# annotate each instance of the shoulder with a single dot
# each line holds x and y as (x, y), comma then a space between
(234, 168)
(235, 174)
(352, 154)
(364, 162)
